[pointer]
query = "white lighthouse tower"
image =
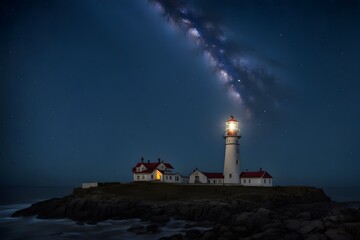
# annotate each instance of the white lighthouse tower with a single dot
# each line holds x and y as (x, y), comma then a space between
(232, 159)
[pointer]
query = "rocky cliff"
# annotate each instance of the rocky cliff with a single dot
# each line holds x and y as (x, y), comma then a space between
(234, 211)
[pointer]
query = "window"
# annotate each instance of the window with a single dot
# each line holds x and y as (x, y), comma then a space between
(237, 162)
(138, 177)
(264, 180)
(208, 180)
(176, 178)
(214, 181)
(170, 177)
(143, 177)
(244, 181)
(230, 175)
(152, 176)
(249, 181)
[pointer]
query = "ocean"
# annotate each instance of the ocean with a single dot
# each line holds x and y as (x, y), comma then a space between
(15, 198)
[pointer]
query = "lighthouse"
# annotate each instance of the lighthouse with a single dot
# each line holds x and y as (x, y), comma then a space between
(232, 159)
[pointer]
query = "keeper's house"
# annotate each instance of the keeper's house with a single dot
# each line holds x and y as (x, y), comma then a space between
(156, 171)
(260, 178)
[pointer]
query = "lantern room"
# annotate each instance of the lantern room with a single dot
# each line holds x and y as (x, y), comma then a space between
(232, 127)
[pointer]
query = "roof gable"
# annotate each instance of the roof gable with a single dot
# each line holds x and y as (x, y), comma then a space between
(213, 175)
(151, 165)
(259, 174)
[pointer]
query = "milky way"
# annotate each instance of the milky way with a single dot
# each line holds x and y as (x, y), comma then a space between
(249, 84)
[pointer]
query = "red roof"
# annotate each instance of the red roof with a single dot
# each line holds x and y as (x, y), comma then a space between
(151, 166)
(232, 119)
(213, 175)
(259, 174)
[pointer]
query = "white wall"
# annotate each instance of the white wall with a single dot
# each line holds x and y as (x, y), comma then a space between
(256, 182)
(142, 177)
(202, 177)
(232, 160)
(217, 180)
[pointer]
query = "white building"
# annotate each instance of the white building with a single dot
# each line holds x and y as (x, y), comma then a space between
(198, 177)
(156, 171)
(260, 178)
(232, 148)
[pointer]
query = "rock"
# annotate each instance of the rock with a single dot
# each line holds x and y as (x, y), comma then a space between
(304, 216)
(256, 221)
(173, 237)
(333, 219)
(293, 236)
(257, 236)
(263, 211)
(222, 229)
(317, 236)
(315, 225)
(241, 218)
(160, 219)
(275, 223)
(137, 228)
(193, 234)
(209, 235)
(239, 229)
(153, 228)
(338, 234)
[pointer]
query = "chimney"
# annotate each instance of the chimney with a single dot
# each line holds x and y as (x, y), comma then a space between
(142, 159)
(260, 169)
(148, 161)
(159, 160)
(247, 170)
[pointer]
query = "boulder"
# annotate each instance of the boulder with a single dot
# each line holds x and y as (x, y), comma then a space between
(313, 226)
(153, 228)
(317, 236)
(193, 234)
(173, 237)
(338, 234)
(304, 216)
(137, 228)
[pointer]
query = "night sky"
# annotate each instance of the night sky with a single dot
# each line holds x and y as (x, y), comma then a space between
(89, 87)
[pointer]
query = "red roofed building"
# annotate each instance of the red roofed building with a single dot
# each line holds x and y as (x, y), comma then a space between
(198, 177)
(156, 171)
(260, 178)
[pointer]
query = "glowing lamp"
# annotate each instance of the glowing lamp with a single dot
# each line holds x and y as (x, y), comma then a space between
(232, 126)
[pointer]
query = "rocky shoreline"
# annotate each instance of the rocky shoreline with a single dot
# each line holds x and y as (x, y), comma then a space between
(226, 213)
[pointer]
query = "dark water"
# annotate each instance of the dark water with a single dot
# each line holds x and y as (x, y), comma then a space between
(343, 194)
(13, 199)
